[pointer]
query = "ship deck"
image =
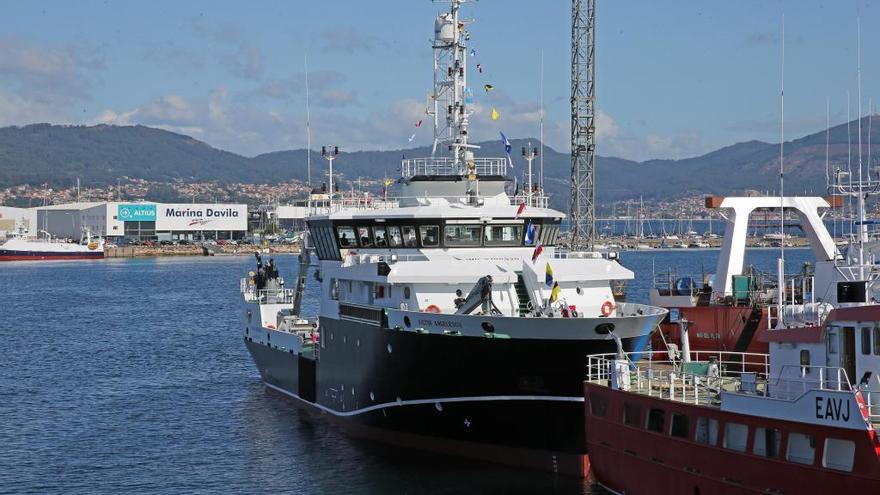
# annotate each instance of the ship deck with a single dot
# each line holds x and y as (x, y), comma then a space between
(701, 380)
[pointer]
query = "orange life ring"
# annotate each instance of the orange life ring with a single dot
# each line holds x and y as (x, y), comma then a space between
(432, 309)
(607, 308)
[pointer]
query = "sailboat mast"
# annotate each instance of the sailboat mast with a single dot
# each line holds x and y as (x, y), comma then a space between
(308, 127)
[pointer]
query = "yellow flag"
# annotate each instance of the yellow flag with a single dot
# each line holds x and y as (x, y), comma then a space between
(554, 294)
(495, 114)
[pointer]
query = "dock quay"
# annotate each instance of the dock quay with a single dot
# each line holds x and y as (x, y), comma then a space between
(196, 250)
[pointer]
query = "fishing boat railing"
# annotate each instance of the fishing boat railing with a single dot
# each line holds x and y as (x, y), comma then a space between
(699, 381)
(793, 381)
(278, 295)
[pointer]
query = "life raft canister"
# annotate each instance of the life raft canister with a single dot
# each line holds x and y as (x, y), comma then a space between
(432, 309)
(607, 308)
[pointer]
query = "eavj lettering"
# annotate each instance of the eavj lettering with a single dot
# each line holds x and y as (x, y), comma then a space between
(828, 408)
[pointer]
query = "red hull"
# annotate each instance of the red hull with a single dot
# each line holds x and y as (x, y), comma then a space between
(719, 328)
(633, 460)
(49, 257)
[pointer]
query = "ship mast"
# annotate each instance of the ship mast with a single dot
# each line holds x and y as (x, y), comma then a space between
(450, 84)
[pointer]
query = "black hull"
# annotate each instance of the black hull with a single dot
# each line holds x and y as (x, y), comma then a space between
(513, 401)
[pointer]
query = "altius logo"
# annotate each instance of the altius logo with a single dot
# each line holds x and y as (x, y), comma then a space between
(137, 213)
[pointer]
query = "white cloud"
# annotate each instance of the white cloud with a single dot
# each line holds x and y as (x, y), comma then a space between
(348, 39)
(612, 141)
(56, 75)
(235, 52)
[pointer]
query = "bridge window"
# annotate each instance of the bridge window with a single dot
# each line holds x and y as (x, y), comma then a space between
(876, 341)
(504, 235)
(346, 237)
(364, 237)
(598, 405)
(679, 426)
(736, 436)
(380, 236)
(838, 454)
(801, 448)
(409, 237)
(767, 442)
(866, 341)
(462, 235)
(655, 420)
(706, 431)
(394, 238)
(430, 235)
(805, 360)
(632, 414)
(548, 236)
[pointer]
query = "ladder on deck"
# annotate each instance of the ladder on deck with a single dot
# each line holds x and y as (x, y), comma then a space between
(522, 295)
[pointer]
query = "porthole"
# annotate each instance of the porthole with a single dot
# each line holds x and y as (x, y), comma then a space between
(389, 348)
(407, 321)
(372, 397)
(579, 291)
(406, 293)
(438, 406)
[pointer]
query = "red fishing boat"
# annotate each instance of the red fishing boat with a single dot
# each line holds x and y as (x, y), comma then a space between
(728, 310)
(801, 419)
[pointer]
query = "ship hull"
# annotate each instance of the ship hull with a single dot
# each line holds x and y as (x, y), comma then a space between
(713, 328)
(634, 460)
(511, 401)
(10, 255)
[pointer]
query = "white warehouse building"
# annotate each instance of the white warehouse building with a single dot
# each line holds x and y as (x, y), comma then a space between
(145, 220)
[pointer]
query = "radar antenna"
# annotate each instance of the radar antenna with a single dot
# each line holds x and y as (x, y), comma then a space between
(450, 83)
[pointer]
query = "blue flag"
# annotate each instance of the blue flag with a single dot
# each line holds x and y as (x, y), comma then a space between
(507, 147)
(530, 234)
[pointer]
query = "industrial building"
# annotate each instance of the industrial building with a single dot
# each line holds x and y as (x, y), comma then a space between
(14, 219)
(145, 220)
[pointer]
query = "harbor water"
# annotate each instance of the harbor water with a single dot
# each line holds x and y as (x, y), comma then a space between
(130, 376)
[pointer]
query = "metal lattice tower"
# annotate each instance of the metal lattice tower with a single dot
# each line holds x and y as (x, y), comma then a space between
(450, 110)
(583, 125)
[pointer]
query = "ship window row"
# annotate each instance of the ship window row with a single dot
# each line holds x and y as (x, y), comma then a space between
(322, 240)
(799, 448)
(446, 235)
(870, 334)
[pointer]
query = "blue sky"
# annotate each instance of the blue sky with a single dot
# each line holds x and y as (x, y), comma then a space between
(675, 79)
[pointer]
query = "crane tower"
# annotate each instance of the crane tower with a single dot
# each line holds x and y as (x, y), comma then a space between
(583, 124)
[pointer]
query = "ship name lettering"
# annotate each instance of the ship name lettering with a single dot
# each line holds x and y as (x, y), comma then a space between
(440, 323)
(829, 408)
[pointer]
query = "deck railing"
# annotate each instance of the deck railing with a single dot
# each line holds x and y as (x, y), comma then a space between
(701, 380)
(448, 167)
(324, 207)
(278, 295)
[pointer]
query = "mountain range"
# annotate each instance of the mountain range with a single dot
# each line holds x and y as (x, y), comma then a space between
(98, 155)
